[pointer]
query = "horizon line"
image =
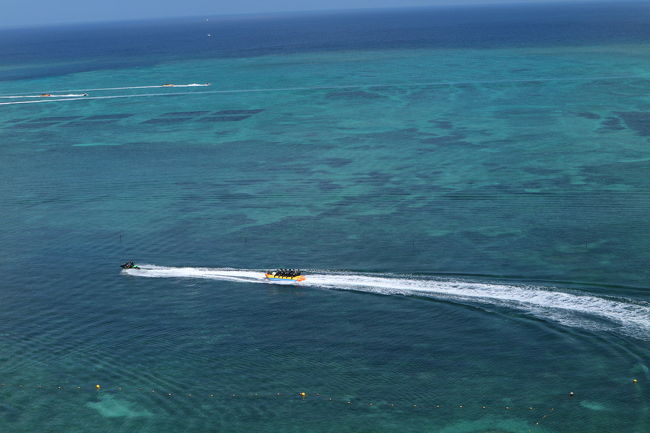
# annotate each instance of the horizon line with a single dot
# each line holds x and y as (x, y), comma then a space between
(252, 15)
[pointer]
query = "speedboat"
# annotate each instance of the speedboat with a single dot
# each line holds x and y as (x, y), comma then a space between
(129, 265)
(285, 275)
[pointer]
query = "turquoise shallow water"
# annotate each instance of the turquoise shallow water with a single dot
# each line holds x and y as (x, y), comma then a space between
(473, 223)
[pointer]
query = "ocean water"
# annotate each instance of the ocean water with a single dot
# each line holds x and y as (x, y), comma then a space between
(467, 190)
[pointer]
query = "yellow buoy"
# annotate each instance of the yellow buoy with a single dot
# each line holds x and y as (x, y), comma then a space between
(302, 394)
(635, 380)
(98, 387)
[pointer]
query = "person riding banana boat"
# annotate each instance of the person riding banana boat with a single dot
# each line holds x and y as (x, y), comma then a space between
(285, 275)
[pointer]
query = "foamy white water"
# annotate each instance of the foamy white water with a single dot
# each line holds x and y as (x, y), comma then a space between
(628, 316)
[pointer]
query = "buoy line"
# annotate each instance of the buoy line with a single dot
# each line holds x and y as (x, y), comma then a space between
(538, 414)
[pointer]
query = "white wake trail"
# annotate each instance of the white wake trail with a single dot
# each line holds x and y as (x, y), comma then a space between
(62, 95)
(157, 86)
(90, 98)
(103, 89)
(336, 87)
(40, 101)
(628, 316)
(153, 271)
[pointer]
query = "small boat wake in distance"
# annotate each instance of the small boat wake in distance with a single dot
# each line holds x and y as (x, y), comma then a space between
(185, 85)
(47, 95)
(60, 94)
(587, 309)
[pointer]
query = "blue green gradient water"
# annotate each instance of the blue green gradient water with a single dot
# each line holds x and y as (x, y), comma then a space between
(478, 188)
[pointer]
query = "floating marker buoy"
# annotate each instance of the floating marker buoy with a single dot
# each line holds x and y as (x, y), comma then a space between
(635, 380)
(572, 394)
(302, 394)
(98, 387)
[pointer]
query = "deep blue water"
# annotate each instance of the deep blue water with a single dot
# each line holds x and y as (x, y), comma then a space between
(114, 45)
(466, 189)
